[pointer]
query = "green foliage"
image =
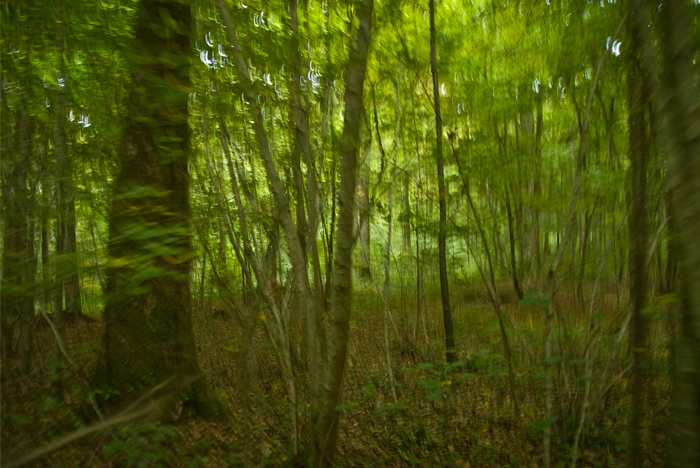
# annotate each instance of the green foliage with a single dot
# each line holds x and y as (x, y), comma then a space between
(351, 406)
(543, 424)
(536, 299)
(515, 78)
(141, 445)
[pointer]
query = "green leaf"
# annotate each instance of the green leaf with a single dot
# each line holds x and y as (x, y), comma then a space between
(346, 406)
(543, 424)
(670, 298)
(529, 299)
(546, 301)
(430, 384)
(148, 234)
(369, 389)
(148, 273)
(577, 361)
(399, 405)
(542, 375)
(553, 360)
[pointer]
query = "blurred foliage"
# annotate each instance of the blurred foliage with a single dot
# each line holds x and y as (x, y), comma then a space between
(515, 77)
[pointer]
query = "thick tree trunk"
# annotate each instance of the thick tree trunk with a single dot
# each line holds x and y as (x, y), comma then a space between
(450, 349)
(17, 270)
(681, 108)
(148, 336)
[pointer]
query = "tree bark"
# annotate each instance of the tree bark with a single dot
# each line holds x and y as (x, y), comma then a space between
(681, 109)
(149, 336)
(17, 270)
(638, 238)
(364, 213)
(450, 350)
(513, 267)
(326, 432)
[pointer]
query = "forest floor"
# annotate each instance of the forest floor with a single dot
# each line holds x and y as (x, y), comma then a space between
(444, 416)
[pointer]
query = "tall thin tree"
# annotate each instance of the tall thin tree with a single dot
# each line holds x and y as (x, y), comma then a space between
(450, 350)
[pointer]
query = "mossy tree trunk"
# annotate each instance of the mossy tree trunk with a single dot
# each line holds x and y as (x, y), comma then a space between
(149, 335)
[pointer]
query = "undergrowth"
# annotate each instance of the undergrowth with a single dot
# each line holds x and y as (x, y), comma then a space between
(444, 415)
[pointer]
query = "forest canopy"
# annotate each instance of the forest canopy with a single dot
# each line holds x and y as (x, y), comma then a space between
(355, 233)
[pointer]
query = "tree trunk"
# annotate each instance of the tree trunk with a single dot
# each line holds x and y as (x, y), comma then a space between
(326, 430)
(364, 213)
(66, 202)
(681, 108)
(387, 260)
(450, 350)
(406, 221)
(584, 252)
(513, 268)
(297, 254)
(148, 337)
(638, 239)
(17, 271)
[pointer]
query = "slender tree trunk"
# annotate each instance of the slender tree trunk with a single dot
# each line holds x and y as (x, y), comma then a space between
(638, 239)
(387, 260)
(551, 276)
(66, 198)
(419, 289)
(450, 349)
(490, 283)
(331, 237)
(281, 341)
(513, 268)
(295, 247)
(326, 433)
(406, 222)
(587, 355)
(584, 251)
(364, 212)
